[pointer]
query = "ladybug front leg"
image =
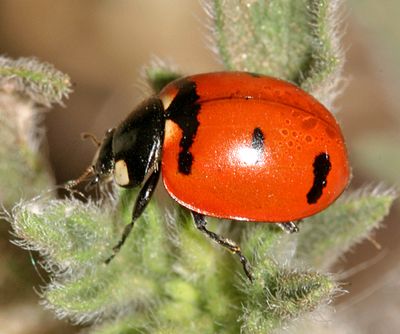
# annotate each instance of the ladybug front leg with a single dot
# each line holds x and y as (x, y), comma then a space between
(142, 200)
(200, 222)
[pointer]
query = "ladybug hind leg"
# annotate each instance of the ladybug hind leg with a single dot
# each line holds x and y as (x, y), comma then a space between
(289, 227)
(200, 222)
(142, 200)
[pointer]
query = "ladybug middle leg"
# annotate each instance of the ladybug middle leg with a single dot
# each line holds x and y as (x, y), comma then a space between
(142, 200)
(200, 222)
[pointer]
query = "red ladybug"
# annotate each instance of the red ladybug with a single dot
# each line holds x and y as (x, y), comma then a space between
(231, 145)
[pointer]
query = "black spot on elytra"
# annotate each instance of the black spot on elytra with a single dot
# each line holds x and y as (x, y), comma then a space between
(257, 142)
(185, 160)
(322, 167)
(184, 111)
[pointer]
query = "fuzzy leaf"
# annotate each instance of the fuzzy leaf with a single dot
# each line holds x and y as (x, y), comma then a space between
(292, 40)
(25, 87)
(41, 82)
(322, 77)
(75, 238)
(325, 237)
(279, 295)
(158, 73)
(175, 277)
(124, 325)
(69, 233)
(24, 83)
(158, 77)
(257, 36)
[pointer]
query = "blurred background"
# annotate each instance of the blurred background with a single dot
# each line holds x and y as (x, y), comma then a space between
(103, 45)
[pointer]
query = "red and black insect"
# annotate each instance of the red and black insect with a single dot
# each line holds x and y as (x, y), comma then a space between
(230, 145)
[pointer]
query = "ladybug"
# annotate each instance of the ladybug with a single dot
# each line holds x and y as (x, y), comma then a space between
(232, 145)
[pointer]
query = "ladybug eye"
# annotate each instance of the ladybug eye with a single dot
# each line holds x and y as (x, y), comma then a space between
(121, 174)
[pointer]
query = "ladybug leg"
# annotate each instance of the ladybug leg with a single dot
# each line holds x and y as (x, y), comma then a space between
(289, 227)
(201, 223)
(142, 200)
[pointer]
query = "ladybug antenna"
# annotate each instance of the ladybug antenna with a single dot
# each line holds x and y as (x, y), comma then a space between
(92, 137)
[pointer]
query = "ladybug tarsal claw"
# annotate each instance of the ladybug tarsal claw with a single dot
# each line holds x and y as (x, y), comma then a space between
(246, 267)
(73, 183)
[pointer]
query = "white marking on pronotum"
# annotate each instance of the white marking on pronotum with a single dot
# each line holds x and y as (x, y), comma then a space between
(166, 100)
(121, 173)
(171, 130)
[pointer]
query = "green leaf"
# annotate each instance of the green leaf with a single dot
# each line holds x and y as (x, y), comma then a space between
(322, 77)
(69, 233)
(327, 236)
(75, 238)
(160, 73)
(125, 325)
(160, 77)
(24, 83)
(293, 40)
(279, 295)
(177, 277)
(41, 82)
(258, 36)
(26, 86)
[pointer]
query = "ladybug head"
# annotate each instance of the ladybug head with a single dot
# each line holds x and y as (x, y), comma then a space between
(102, 165)
(131, 150)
